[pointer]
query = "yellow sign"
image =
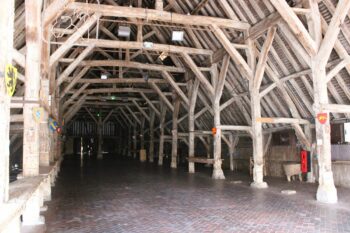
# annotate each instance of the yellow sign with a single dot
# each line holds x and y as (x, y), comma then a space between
(10, 79)
(38, 114)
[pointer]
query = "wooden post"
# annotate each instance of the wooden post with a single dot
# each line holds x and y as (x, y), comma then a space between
(151, 136)
(193, 93)
(100, 137)
(209, 149)
(176, 103)
(232, 147)
(44, 133)
(32, 80)
(7, 12)
(135, 141)
(159, 5)
(142, 138)
(326, 191)
(129, 141)
(161, 137)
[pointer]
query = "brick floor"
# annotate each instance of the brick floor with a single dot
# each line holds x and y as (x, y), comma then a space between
(127, 196)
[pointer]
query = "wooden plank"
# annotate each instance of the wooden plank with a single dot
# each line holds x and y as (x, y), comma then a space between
(149, 102)
(158, 15)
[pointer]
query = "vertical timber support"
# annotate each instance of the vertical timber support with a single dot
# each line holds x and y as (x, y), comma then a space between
(219, 87)
(100, 137)
(326, 191)
(151, 136)
(134, 137)
(161, 136)
(193, 93)
(32, 87)
(7, 12)
(254, 87)
(142, 136)
(176, 103)
(233, 143)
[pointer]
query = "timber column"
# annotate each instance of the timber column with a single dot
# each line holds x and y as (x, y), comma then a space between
(174, 141)
(99, 134)
(258, 149)
(7, 12)
(161, 137)
(151, 136)
(326, 191)
(32, 87)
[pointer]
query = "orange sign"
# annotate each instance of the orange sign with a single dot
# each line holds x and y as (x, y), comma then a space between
(322, 117)
(213, 130)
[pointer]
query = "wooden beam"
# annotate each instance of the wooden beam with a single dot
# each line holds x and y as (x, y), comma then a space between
(260, 68)
(157, 15)
(281, 120)
(174, 85)
(63, 77)
(335, 70)
(101, 43)
(130, 64)
(295, 25)
(206, 84)
(133, 115)
(141, 110)
(174, 140)
(73, 82)
(162, 96)
(232, 51)
(199, 6)
(333, 30)
(149, 102)
(120, 80)
(54, 10)
(75, 95)
(235, 127)
(73, 38)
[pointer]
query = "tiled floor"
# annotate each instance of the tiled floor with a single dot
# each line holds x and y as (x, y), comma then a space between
(127, 196)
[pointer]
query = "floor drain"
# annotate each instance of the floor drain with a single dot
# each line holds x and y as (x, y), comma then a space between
(288, 192)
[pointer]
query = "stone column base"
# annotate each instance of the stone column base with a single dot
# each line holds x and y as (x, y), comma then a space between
(326, 191)
(191, 167)
(259, 185)
(218, 174)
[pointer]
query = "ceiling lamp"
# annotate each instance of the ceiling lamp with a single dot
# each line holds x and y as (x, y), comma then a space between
(124, 31)
(104, 75)
(177, 36)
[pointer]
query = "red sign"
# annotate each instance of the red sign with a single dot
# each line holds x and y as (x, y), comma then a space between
(213, 130)
(303, 161)
(322, 117)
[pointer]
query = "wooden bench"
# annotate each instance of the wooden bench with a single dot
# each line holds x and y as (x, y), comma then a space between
(201, 160)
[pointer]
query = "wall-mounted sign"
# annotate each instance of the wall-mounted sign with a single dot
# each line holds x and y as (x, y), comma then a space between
(38, 114)
(53, 125)
(213, 131)
(10, 79)
(322, 117)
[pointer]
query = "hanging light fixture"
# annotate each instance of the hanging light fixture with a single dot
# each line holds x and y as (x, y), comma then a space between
(124, 31)
(177, 36)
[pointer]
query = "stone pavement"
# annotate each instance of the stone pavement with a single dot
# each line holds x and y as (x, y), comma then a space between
(121, 195)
